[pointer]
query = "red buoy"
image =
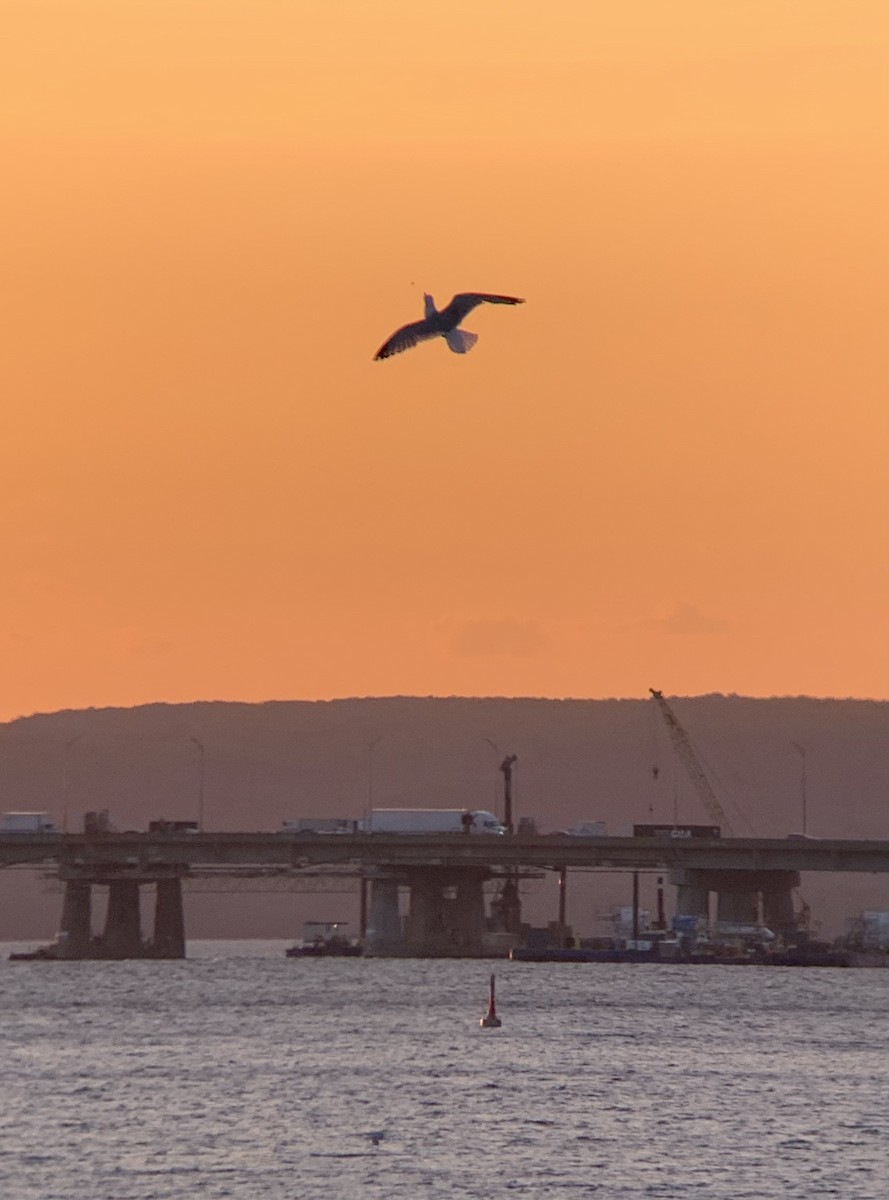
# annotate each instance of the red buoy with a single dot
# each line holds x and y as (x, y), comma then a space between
(491, 1020)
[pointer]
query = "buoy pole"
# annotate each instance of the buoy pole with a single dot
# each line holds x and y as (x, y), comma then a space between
(491, 1020)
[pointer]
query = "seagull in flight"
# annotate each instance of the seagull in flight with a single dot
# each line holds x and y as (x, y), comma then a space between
(442, 324)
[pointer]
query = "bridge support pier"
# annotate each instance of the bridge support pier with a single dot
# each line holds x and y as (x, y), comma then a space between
(169, 923)
(427, 931)
(506, 909)
(469, 914)
(692, 895)
(777, 906)
(447, 913)
(384, 921)
(737, 908)
(123, 936)
(76, 923)
(737, 896)
(446, 918)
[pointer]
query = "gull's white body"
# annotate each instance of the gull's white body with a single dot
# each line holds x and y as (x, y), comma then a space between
(443, 324)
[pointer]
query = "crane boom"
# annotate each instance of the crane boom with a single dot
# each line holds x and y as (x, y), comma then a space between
(683, 747)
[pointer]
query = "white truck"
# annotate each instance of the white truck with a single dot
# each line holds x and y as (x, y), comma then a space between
(432, 820)
(26, 822)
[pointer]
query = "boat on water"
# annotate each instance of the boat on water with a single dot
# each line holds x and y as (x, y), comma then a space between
(41, 954)
(325, 939)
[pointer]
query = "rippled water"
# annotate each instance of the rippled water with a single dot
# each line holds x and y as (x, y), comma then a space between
(240, 1073)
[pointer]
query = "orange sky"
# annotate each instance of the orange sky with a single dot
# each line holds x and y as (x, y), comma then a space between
(667, 469)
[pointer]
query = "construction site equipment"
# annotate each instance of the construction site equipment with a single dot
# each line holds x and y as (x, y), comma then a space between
(686, 753)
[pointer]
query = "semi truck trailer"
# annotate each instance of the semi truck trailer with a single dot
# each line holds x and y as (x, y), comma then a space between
(433, 820)
(26, 822)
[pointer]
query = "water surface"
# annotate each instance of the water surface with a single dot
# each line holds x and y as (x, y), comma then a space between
(241, 1073)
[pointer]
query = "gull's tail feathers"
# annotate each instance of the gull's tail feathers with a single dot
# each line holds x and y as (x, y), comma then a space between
(461, 341)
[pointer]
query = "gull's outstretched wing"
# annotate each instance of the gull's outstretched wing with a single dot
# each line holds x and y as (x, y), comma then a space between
(465, 302)
(407, 336)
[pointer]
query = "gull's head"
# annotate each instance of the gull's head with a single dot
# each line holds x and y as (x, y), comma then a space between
(429, 304)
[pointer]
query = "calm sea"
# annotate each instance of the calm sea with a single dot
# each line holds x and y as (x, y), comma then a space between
(240, 1073)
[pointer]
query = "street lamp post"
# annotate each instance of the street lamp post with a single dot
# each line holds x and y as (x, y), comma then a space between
(370, 771)
(496, 750)
(506, 767)
(801, 750)
(69, 746)
(200, 746)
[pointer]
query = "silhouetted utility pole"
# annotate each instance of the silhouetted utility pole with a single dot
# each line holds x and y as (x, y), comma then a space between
(506, 768)
(201, 751)
(801, 750)
(510, 904)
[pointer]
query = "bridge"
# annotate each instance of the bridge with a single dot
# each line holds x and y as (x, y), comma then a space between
(444, 874)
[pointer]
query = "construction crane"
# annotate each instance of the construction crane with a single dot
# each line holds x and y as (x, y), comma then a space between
(684, 749)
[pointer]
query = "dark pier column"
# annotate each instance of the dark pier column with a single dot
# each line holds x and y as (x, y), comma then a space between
(692, 893)
(506, 909)
(122, 937)
(169, 923)
(428, 933)
(778, 913)
(447, 913)
(362, 914)
(384, 922)
(777, 903)
(661, 913)
(469, 915)
(562, 933)
(76, 926)
(736, 908)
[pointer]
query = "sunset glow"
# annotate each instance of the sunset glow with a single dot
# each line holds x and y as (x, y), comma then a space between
(667, 468)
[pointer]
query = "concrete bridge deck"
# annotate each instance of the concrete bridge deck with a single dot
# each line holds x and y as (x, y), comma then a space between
(443, 875)
(150, 851)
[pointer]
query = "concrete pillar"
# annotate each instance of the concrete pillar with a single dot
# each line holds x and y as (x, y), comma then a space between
(778, 912)
(123, 936)
(76, 925)
(429, 932)
(362, 913)
(384, 922)
(506, 908)
(738, 908)
(169, 924)
(447, 914)
(692, 894)
(469, 915)
(737, 892)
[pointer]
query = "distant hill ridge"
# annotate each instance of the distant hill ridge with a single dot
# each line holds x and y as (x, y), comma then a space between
(577, 759)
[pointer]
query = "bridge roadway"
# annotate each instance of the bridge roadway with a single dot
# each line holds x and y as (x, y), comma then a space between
(146, 851)
(444, 876)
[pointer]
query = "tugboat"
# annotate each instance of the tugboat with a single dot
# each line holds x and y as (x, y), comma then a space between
(324, 939)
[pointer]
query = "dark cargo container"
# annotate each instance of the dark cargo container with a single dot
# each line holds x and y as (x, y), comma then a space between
(676, 831)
